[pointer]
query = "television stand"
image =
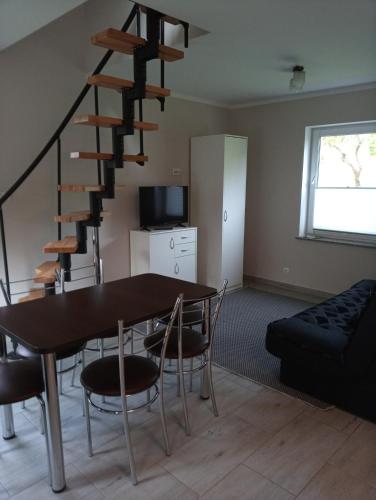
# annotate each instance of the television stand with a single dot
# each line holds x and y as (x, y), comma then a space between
(158, 228)
(170, 252)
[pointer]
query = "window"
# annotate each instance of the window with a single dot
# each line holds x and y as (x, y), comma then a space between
(339, 183)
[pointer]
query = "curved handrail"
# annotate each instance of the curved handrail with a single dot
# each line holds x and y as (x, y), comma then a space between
(67, 118)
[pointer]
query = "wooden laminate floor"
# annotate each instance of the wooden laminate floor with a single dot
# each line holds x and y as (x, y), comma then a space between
(264, 446)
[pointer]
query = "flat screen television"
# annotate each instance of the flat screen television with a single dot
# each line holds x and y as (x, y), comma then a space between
(163, 205)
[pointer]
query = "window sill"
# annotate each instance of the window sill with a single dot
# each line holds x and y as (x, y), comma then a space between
(337, 242)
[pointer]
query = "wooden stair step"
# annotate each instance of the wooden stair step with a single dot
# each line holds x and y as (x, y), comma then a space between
(47, 267)
(80, 188)
(85, 188)
(46, 272)
(69, 244)
(118, 40)
(86, 155)
(114, 83)
(167, 19)
(126, 43)
(81, 215)
(35, 293)
(109, 121)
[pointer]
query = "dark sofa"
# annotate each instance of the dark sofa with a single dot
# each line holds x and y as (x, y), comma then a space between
(329, 350)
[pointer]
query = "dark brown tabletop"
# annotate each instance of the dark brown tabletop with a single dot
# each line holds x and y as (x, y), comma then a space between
(59, 321)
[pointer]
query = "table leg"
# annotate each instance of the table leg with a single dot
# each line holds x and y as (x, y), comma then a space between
(149, 326)
(204, 391)
(7, 422)
(55, 442)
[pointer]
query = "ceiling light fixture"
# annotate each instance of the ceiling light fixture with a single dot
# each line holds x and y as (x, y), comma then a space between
(298, 79)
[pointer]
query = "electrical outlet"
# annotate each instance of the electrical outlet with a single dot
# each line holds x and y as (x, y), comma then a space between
(286, 270)
(176, 171)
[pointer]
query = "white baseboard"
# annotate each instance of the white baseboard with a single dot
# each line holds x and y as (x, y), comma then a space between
(301, 290)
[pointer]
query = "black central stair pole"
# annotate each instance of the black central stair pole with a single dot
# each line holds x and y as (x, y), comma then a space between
(162, 100)
(59, 183)
(97, 133)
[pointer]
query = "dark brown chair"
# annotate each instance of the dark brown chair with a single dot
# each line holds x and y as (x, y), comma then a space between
(127, 375)
(74, 351)
(185, 343)
(193, 317)
(22, 352)
(21, 380)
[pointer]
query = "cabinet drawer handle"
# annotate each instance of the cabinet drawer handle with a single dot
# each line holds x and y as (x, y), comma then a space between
(225, 216)
(172, 244)
(183, 237)
(176, 268)
(182, 251)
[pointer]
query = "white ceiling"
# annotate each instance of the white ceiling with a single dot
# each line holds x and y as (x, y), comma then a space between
(253, 44)
(20, 18)
(249, 49)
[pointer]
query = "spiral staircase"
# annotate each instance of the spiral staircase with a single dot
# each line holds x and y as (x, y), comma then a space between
(55, 273)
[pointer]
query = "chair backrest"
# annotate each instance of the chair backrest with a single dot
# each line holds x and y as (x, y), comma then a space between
(193, 311)
(213, 312)
(174, 315)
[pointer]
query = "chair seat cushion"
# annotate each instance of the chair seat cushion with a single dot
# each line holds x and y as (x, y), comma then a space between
(102, 376)
(193, 343)
(20, 380)
(24, 352)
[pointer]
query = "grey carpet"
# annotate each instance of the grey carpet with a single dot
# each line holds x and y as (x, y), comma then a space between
(240, 338)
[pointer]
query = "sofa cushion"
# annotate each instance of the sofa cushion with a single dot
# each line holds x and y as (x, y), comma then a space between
(340, 313)
(361, 351)
(320, 337)
(283, 334)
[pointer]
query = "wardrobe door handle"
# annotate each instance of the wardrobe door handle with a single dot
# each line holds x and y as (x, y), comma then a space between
(176, 268)
(225, 215)
(172, 243)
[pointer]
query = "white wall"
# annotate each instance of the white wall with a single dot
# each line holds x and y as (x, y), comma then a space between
(44, 74)
(275, 161)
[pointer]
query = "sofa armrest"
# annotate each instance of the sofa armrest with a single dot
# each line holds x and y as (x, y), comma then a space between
(329, 343)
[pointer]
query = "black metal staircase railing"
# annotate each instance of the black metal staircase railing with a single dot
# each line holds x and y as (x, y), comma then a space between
(141, 55)
(55, 138)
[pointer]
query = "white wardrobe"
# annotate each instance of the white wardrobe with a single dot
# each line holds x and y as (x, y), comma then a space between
(218, 186)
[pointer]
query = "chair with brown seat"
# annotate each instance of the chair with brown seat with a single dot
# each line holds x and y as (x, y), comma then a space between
(70, 352)
(21, 380)
(125, 376)
(193, 317)
(188, 343)
(22, 352)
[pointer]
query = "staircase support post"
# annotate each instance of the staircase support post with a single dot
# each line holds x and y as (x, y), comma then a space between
(96, 257)
(58, 183)
(5, 255)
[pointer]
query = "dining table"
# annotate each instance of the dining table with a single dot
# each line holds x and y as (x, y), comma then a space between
(56, 322)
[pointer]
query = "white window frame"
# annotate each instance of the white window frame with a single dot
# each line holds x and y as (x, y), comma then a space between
(309, 183)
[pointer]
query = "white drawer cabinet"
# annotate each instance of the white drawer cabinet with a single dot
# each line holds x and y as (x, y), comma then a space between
(168, 252)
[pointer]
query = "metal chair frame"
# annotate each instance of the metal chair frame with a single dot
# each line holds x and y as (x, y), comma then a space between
(7, 413)
(124, 397)
(209, 322)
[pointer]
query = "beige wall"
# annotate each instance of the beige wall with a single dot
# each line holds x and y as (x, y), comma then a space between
(275, 160)
(44, 74)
